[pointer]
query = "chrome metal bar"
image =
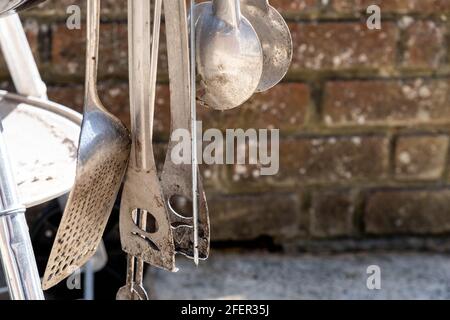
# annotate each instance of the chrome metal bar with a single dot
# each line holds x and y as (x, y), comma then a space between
(89, 274)
(195, 193)
(16, 251)
(19, 58)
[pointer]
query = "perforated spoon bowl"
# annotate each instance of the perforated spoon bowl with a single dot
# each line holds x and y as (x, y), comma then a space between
(229, 55)
(275, 37)
(103, 154)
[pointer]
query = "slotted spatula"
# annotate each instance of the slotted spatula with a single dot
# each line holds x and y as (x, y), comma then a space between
(177, 179)
(103, 155)
(142, 191)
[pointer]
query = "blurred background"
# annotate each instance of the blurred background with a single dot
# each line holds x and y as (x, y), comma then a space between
(364, 157)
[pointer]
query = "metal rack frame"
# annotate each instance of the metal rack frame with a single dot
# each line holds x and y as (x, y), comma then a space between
(16, 251)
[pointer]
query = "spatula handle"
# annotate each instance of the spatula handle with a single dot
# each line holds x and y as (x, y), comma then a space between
(92, 43)
(143, 71)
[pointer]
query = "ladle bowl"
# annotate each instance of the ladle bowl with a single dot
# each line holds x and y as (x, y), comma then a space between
(229, 55)
(275, 37)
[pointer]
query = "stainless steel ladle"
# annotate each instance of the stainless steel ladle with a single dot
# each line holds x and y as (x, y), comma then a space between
(229, 55)
(275, 37)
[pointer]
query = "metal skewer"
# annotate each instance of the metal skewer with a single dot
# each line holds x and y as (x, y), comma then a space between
(195, 193)
(16, 251)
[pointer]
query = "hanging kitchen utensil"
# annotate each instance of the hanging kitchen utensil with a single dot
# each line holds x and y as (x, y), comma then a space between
(134, 288)
(177, 179)
(142, 190)
(11, 6)
(275, 37)
(229, 55)
(103, 155)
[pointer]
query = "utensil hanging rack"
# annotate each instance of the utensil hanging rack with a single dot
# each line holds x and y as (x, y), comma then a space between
(16, 251)
(31, 102)
(187, 235)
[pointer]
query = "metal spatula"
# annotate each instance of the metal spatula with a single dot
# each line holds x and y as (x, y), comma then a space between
(103, 155)
(177, 179)
(142, 189)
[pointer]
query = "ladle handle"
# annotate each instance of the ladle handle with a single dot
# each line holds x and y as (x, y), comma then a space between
(228, 11)
(143, 74)
(92, 43)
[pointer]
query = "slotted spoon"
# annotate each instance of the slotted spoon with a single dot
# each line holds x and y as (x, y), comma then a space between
(103, 155)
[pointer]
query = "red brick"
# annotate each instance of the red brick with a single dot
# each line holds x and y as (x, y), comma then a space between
(332, 214)
(408, 212)
(341, 46)
(424, 45)
(283, 107)
(392, 6)
(68, 49)
(334, 159)
(110, 8)
(359, 103)
(295, 6)
(251, 217)
(115, 98)
(421, 157)
(330, 160)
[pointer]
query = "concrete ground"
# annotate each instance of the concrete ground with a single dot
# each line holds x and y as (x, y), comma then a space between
(271, 276)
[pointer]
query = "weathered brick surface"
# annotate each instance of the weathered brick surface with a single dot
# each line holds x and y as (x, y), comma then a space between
(379, 102)
(424, 45)
(114, 96)
(421, 157)
(250, 217)
(392, 6)
(68, 47)
(295, 6)
(284, 107)
(320, 160)
(408, 212)
(59, 7)
(332, 214)
(334, 159)
(340, 46)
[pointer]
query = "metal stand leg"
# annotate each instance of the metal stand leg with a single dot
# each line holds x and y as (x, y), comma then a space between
(89, 275)
(19, 58)
(16, 251)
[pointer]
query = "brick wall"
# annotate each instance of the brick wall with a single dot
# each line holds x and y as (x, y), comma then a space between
(364, 118)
